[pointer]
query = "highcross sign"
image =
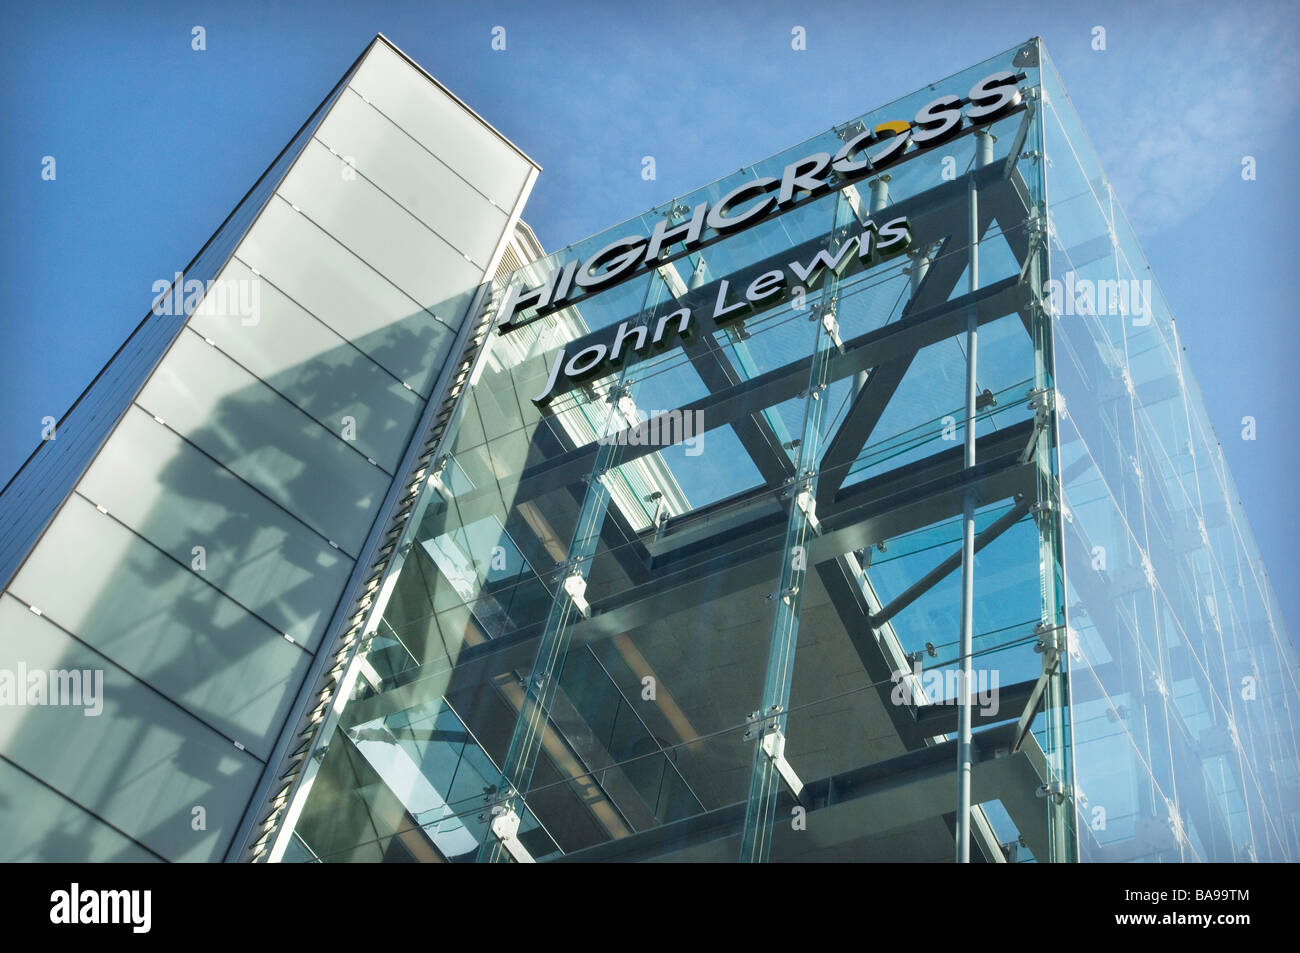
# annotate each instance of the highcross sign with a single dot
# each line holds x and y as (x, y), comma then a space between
(800, 181)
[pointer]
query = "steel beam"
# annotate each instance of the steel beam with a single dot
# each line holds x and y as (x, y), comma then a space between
(939, 572)
(867, 800)
(889, 343)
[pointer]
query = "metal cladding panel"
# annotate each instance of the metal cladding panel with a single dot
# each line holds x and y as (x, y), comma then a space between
(215, 486)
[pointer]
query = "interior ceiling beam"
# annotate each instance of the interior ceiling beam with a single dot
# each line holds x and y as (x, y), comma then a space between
(941, 718)
(889, 794)
(910, 497)
(888, 343)
(939, 572)
(864, 413)
(869, 403)
(941, 277)
(839, 578)
(915, 724)
(919, 494)
(754, 431)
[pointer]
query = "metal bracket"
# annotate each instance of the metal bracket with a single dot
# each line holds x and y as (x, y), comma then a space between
(920, 654)
(1137, 468)
(832, 328)
(575, 584)
(1050, 506)
(1040, 307)
(1012, 848)
(629, 410)
(758, 723)
(1016, 151)
(1037, 233)
(505, 828)
(1042, 401)
(850, 129)
(807, 503)
(1052, 641)
(773, 745)
(772, 740)
(538, 681)
(785, 595)
(435, 478)
(1148, 571)
(1055, 789)
(661, 511)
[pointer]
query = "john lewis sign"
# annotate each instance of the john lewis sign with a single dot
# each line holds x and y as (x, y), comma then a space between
(636, 336)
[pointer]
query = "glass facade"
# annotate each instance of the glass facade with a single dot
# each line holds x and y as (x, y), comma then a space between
(1183, 680)
(706, 601)
(685, 542)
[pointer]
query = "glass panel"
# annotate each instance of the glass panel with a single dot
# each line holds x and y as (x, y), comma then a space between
(256, 434)
(1174, 733)
(41, 826)
(309, 266)
(412, 176)
(591, 586)
(437, 120)
(591, 594)
(310, 365)
(253, 551)
(376, 228)
(142, 764)
(164, 624)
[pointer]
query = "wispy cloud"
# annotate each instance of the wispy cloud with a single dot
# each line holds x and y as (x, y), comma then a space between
(1187, 105)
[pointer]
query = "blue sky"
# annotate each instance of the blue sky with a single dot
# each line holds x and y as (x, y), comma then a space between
(155, 143)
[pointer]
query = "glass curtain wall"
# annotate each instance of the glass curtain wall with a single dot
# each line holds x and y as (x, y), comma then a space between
(607, 639)
(1183, 681)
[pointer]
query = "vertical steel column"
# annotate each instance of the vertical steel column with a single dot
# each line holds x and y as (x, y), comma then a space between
(879, 192)
(765, 780)
(771, 718)
(984, 155)
(917, 268)
(1062, 845)
(540, 689)
(984, 147)
(569, 601)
